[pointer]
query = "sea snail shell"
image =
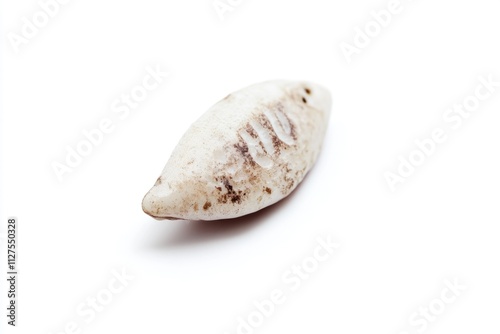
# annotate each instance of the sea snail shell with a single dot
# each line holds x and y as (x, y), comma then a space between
(248, 151)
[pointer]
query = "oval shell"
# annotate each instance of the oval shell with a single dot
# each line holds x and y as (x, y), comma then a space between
(245, 153)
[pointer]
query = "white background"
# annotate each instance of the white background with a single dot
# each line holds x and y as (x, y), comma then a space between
(397, 248)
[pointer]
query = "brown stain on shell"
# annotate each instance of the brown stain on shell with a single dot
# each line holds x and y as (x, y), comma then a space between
(242, 149)
(235, 193)
(231, 195)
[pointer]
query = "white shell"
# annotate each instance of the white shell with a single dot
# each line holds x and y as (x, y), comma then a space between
(248, 151)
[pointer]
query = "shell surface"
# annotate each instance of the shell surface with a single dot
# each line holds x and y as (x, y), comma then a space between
(248, 151)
